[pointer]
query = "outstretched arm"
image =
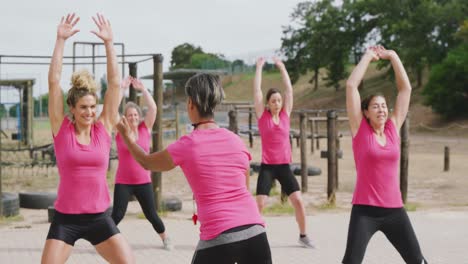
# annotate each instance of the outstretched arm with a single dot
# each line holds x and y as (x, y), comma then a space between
(64, 31)
(112, 98)
(157, 161)
(149, 101)
(288, 93)
(257, 88)
(353, 99)
(403, 85)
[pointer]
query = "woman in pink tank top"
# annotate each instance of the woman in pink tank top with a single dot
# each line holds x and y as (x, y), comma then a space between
(274, 127)
(377, 203)
(131, 178)
(215, 162)
(82, 146)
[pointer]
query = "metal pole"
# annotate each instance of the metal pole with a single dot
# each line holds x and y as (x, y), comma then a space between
(74, 54)
(93, 60)
(157, 128)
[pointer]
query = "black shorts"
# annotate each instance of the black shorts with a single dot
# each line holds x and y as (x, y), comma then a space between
(280, 172)
(95, 228)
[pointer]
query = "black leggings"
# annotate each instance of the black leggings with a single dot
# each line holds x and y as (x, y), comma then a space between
(255, 250)
(144, 195)
(393, 222)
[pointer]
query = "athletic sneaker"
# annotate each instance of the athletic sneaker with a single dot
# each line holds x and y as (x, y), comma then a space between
(306, 242)
(167, 245)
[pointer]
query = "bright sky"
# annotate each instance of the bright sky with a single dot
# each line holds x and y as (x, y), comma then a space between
(235, 28)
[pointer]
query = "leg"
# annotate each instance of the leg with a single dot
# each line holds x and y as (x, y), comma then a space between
(222, 254)
(116, 250)
(55, 251)
(145, 196)
(264, 182)
(296, 201)
(256, 250)
(400, 233)
(122, 195)
(360, 231)
(291, 187)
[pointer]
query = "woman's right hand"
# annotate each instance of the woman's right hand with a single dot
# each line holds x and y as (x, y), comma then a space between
(371, 52)
(260, 62)
(124, 128)
(66, 27)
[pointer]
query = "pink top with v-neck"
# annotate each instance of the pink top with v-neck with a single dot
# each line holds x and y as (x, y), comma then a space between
(82, 168)
(377, 167)
(276, 148)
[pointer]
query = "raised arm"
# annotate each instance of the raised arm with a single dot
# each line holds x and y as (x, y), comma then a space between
(257, 88)
(149, 101)
(56, 111)
(353, 99)
(110, 113)
(124, 87)
(288, 92)
(403, 85)
(157, 161)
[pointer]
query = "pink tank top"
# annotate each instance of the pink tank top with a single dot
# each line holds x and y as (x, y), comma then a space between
(129, 171)
(377, 167)
(276, 148)
(82, 168)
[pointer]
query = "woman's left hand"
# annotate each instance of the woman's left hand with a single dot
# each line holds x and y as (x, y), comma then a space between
(105, 30)
(384, 53)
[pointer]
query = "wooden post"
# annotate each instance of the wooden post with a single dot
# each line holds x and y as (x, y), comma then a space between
(332, 157)
(1, 196)
(176, 109)
(446, 158)
(233, 121)
(132, 69)
(250, 128)
(157, 128)
(312, 132)
(28, 113)
(303, 137)
(404, 158)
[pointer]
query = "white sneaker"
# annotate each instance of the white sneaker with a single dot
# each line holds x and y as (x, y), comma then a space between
(306, 242)
(167, 244)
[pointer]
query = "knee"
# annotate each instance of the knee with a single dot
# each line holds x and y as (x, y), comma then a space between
(261, 203)
(117, 216)
(296, 199)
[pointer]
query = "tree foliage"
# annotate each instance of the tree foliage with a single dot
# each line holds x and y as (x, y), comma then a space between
(447, 89)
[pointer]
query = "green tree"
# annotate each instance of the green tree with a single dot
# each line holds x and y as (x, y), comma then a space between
(181, 55)
(303, 44)
(447, 89)
(208, 61)
(3, 110)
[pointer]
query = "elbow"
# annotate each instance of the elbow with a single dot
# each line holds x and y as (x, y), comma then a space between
(350, 84)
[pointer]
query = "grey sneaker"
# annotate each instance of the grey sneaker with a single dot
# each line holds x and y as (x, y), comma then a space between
(306, 242)
(167, 244)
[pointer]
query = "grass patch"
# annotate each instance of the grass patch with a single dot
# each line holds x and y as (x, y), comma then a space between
(10, 219)
(327, 206)
(411, 207)
(279, 209)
